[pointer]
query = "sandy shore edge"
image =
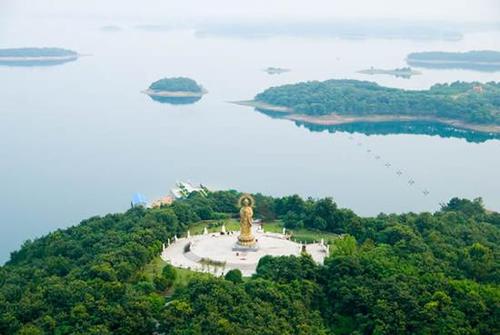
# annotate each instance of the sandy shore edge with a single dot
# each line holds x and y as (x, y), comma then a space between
(263, 105)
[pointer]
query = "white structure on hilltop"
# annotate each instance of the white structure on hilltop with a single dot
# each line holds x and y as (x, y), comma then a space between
(205, 231)
(223, 229)
(184, 189)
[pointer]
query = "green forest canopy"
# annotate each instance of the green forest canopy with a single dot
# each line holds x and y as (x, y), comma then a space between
(482, 56)
(178, 84)
(427, 273)
(470, 102)
(37, 52)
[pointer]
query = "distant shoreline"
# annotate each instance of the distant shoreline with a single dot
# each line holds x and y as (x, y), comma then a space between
(477, 60)
(444, 62)
(336, 119)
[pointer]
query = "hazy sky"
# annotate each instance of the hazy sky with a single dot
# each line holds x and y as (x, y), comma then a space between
(454, 10)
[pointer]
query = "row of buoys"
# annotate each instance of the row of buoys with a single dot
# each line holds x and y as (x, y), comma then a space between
(399, 173)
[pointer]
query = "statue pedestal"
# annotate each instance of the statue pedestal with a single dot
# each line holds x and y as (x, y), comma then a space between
(245, 248)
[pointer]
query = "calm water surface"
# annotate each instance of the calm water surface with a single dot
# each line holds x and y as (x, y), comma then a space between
(79, 139)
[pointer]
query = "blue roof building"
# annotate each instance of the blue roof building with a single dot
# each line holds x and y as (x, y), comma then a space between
(139, 199)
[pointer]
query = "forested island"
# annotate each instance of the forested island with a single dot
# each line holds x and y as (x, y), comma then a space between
(178, 90)
(404, 72)
(473, 106)
(36, 56)
(427, 273)
(482, 60)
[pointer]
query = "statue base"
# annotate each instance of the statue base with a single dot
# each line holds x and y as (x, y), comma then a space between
(245, 248)
(246, 243)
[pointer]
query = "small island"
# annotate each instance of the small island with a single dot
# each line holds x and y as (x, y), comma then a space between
(36, 56)
(275, 70)
(178, 90)
(404, 72)
(462, 105)
(483, 60)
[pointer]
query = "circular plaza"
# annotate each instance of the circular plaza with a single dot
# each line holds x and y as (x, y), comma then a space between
(216, 252)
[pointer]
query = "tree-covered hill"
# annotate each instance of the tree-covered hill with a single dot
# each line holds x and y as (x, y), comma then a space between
(428, 273)
(468, 102)
(178, 84)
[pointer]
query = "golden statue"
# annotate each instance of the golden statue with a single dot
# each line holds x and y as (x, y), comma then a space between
(246, 213)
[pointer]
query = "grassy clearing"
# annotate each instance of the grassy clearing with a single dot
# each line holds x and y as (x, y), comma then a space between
(300, 235)
(214, 226)
(185, 275)
(154, 268)
(311, 236)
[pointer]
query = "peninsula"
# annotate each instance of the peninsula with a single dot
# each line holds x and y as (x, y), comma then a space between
(472, 106)
(404, 72)
(176, 90)
(130, 273)
(483, 60)
(36, 56)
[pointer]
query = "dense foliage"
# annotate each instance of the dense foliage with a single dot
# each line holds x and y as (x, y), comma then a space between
(428, 273)
(483, 56)
(37, 52)
(469, 102)
(178, 84)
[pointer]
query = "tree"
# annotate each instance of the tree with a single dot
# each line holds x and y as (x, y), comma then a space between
(345, 246)
(234, 276)
(30, 329)
(169, 273)
(465, 206)
(292, 220)
(286, 268)
(477, 261)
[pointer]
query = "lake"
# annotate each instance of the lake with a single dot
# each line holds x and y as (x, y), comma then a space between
(79, 139)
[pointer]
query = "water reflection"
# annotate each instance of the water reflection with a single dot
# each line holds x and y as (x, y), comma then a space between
(175, 100)
(391, 128)
(33, 63)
